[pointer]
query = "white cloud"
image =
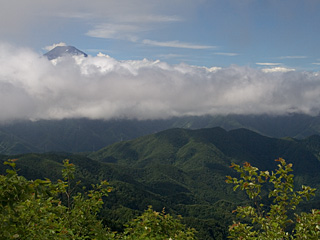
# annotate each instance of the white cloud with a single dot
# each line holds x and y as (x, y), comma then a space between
(116, 31)
(176, 44)
(268, 64)
(226, 54)
(278, 69)
(149, 19)
(48, 48)
(123, 10)
(292, 57)
(23, 18)
(129, 27)
(170, 55)
(316, 63)
(101, 87)
(129, 20)
(130, 32)
(214, 69)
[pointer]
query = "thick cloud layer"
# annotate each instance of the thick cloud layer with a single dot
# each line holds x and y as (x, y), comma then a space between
(101, 87)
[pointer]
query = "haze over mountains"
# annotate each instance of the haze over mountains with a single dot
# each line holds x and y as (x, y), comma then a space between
(83, 135)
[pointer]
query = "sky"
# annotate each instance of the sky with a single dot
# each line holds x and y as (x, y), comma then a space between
(151, 59)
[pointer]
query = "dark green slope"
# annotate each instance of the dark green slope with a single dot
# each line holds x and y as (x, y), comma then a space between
(312, 143)
(131, 190)
(136, 188)
(192, 149)
(173, 164)
(195, 162)
(84, 135)
(128, 191)
(9, 143)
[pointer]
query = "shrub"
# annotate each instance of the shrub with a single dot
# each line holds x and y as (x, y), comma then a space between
(278, 220)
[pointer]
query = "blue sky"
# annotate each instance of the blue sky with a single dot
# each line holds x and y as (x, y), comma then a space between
(254, 33)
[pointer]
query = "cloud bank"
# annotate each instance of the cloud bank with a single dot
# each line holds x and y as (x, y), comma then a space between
(101, 87)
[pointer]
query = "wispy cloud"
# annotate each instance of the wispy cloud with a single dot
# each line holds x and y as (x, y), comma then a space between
(75, 15)
(278, 69)
(116, 31)
(226, 54)
(316, 63)
(268, 64)
(292, 57)
(176, 44)
(170, 55)
(130, 32)
(150, 19)
(129, 27)
(48, 48)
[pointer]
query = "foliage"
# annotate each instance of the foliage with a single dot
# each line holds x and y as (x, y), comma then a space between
(278, 220)
(152, 225)
(40, 209)
(33, 209)
(171, 175)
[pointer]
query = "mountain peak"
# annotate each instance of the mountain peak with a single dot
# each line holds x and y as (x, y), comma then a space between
(61, 51)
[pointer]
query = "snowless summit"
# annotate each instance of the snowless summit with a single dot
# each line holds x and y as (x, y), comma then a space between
(61, 51)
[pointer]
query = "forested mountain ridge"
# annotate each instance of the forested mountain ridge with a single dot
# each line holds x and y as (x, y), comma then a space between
(85, 135)
(188, 149)
(182, 170)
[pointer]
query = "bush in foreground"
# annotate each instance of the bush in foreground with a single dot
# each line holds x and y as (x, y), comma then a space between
(279, 219)
(40, 209)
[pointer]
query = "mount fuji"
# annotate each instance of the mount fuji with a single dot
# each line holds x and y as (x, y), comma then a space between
(61, 51)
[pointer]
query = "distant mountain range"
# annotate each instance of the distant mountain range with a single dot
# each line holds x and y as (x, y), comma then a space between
(182, 170)
(84, 135)
(61, 51)
(213, 148)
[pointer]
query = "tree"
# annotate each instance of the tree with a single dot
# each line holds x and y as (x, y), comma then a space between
(33, 209)
(278, 220)
(152, 225)
(41, 209)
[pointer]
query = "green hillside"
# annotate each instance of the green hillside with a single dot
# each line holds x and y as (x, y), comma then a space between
(211, 148)
(179, 169)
